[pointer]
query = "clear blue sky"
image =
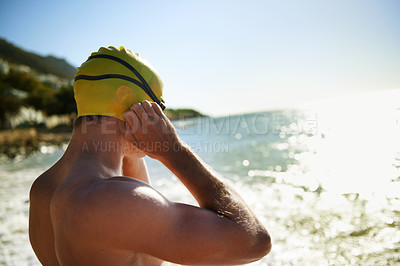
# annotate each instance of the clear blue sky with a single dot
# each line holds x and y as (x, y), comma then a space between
(224, 57)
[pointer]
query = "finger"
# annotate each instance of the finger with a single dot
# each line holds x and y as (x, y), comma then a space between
(140, 112)
(157, 109)
(132, 120)
(148, 107)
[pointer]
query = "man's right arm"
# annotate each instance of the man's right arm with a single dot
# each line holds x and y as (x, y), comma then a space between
(212, 192)
(127, 215)
(251, 239)
(209, 189)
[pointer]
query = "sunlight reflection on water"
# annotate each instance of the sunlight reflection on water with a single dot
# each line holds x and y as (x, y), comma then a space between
(324, 181)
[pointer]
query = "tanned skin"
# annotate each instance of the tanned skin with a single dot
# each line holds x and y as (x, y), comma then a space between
(95, 206)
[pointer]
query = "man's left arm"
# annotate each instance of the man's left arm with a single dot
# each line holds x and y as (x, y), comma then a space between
(135, 168)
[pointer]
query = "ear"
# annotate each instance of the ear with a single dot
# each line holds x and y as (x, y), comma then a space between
(124, 98)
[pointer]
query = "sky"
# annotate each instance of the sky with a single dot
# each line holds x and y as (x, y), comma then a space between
(225, 57)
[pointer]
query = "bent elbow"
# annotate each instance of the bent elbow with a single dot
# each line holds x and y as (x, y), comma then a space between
(265, 244)
(262, 246)
(252, 249)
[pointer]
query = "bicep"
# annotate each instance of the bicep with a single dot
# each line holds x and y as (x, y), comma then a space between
(138, 218)
(190, 235)
(184, 233)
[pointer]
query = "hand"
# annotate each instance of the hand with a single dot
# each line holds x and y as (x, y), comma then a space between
(150, 130)
(135, 167)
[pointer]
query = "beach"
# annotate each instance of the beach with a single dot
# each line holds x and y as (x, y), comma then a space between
(16, 144)
(323, 178)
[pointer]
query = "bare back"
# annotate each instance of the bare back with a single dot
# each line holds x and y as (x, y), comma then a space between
(52, 188)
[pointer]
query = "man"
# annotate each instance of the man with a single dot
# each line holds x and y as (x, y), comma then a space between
(95, 206)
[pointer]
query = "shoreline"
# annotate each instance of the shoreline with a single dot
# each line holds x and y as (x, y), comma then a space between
(17, 143)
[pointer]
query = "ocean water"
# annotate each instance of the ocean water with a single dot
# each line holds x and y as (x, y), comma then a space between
(323, 177)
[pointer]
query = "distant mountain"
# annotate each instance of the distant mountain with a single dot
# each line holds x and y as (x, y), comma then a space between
(46, 65)
(176, 114)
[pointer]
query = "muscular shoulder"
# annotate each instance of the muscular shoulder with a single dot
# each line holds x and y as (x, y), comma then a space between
(42, 191)
(40, 226)
(120, 192)
(43, 188)
(107, 209)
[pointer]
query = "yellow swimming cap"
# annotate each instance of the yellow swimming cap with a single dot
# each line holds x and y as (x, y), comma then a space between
(112, 80)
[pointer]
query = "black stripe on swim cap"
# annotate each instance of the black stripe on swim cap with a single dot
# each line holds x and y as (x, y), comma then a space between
(110, 76)
(145, 86)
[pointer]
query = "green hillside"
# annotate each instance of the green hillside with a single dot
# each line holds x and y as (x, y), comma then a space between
(45, 65)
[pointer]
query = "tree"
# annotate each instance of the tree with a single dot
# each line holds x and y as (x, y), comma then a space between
(40, 97)
(61, 103)
(21, 81)
(9, 103)
(19, 89)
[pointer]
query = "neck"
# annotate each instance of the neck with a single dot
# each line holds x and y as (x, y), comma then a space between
(96, 150)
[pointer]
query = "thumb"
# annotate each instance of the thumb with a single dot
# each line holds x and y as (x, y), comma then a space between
(132, 121)
(127, 127)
